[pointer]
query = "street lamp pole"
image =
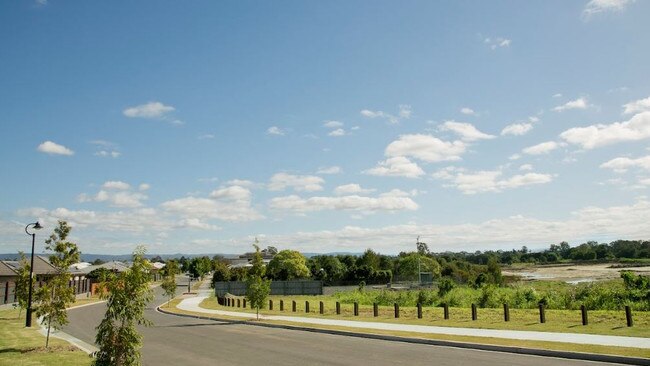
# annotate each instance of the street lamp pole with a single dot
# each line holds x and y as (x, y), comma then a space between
(36, 225)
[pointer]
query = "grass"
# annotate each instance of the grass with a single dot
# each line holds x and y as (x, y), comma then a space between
(25, 346)
(603, 322)
(86, 300)
(621, 351)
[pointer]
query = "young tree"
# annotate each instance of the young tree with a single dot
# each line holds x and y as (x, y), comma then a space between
(169, 286)
(22, 284)
(257, 288)
(128, 294)
(288, 265)
(54, 297)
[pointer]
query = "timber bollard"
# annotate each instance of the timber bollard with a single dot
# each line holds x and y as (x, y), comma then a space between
(628, 316)
(232, 303)
(506, 312)
(396, 310)
(322, 308)
(281, 305)
(244, 303)
(226, 302)
(356, 309)
(238, 303)
(293, 305)
(445, 309)
(270, 304)
(474, 315)
(585, 319)
(542, 314)
(338, 308)
(375, 310)
(419, 311)
(306, 306)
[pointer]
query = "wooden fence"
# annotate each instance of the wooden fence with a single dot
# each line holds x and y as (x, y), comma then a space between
(238, 288)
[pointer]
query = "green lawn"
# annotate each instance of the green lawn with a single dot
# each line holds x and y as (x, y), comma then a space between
(25, 346)
(566, 321)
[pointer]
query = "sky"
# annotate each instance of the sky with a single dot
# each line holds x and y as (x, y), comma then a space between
(195, 127)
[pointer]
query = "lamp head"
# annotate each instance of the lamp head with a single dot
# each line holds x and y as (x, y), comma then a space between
(37, 226)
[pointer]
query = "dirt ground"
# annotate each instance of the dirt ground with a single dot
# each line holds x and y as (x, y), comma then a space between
(572, 273)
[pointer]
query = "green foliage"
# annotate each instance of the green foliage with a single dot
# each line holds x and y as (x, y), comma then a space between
(171, 268)
(326, 268)
(21, 292)
(257, 288)
(409, 264)
(444, 286)
(199, 267)
(128, 294)
(369, 259)
(221, 272)
(288, 265)
(99, 273)
(169, 285)
(55, 295)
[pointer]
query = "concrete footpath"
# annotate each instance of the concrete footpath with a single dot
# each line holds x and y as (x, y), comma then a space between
(193, 304)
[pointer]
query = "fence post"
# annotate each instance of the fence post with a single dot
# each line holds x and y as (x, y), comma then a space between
(244, 301)
(542, 314)
(306, 306)
(474, 315)
(270, 304)
(628, 316)
(506, 312)
(228, 302)
(356, 309)
(281, 305)
(293, 305)
(445, 308)
(396, 310)
(322, 308)
(375, 310)
(338, 308)
(238, 303)
(232, 303)
(419, 311)
(585, 319)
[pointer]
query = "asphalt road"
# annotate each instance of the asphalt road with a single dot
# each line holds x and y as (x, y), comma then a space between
(185, 341)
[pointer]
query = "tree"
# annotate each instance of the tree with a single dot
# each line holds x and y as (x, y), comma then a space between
(55, 295)
(200, 266)
(169, 286)
(423, 248)
(288, 265)
(370, 259)
(221, 272)
(127, 296)
(22, 284)
(407, 266)
(257, 288)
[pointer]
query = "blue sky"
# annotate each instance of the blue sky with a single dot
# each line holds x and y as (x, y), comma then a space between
(337, 126)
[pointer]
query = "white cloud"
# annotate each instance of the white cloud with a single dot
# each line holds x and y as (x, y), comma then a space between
(517, 129)
(53, 148)
(397, 166)
(155, 110)
(231, 203)
(641, 105)
(329, 170)
(336, 133)
(526, 167)
(116, 184)
(404, 112)
(275, 130)
(635, 129)
(557, 95)
(350, 189)
(466, 131)
(622, 164)
(387, 202)
(426, 148)
(195, 223)
(115, 198)
(498, 42)
(488, 180)
(543, 148)
(468, 111)
(106, 153)
(580, 103)
(308, 183)
(206, 136)
(105, 149)
(232, 193)
(594, 7)
(144, 186)
(333, 124)
(241, 182)
(514, 157)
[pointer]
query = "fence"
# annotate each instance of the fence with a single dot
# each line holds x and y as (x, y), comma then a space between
(238, 288)
(8, 289)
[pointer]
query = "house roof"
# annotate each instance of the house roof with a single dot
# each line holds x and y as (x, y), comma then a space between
(41, 265)
(111, 266)
(6, 270)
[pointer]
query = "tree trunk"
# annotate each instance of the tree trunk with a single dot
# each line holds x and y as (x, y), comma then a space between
(47, 340)
(258, 313)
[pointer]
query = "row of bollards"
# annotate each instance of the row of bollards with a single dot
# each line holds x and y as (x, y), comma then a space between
(232, 302)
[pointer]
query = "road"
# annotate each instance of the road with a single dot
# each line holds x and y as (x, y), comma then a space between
(185, 341)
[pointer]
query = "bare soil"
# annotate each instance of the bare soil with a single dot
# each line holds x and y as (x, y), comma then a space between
(572, 273)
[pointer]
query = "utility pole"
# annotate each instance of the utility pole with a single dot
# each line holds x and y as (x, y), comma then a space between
(417, 244)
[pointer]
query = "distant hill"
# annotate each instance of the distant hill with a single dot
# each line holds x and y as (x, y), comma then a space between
(89, 257)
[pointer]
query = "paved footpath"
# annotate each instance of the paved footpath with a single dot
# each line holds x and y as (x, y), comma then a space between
(193, 304)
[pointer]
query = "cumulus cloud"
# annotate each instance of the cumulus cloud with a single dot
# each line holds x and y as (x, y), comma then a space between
(594, 7)
(498, 42)
(487, 180)
(151, 110)
(397, 166)
(426, 148)
(351, 188)
(641, 105)
(468, 111)
(466, 131)
(336, 133)
(404, 112)
(116, 184)
(526, 167)
(543, 148)
(275, 130)
(308, 183)
(590, 137)
(231, 203)
(385, 202)
(329, 170)
(53, 148)
(622, 164)
(517, 129)
(333, 124)
(580, 103)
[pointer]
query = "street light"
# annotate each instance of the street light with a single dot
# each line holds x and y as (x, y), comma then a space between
(36, 226)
